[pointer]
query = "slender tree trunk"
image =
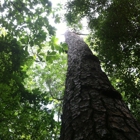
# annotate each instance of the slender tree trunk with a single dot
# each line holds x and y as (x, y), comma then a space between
(92, 109)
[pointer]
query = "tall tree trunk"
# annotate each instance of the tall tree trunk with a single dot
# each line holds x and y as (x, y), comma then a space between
(92, 109)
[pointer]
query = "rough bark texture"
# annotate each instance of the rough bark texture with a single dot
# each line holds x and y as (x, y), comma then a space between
(92, 109)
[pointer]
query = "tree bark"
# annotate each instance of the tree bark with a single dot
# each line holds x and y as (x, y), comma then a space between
(92, 108)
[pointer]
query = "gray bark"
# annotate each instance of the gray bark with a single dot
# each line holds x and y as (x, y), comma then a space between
(92, 108)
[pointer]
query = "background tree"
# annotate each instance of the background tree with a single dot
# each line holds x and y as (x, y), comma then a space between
(114, 36)
(92, 108)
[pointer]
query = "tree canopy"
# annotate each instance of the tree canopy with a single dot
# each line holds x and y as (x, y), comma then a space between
(30, 61)
(33, 62)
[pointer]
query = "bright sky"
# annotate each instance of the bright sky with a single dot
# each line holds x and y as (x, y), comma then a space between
(61, 27)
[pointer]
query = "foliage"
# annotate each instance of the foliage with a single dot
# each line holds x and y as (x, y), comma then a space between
(20, 111)
(33, 63)
(114, 37)
(30, 64)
